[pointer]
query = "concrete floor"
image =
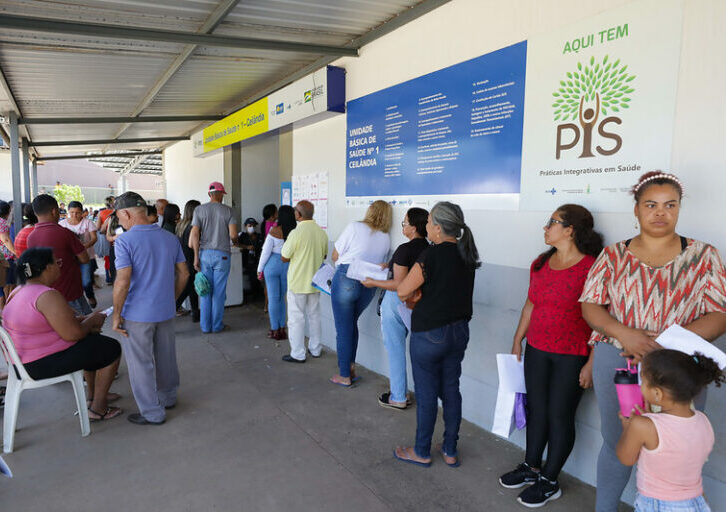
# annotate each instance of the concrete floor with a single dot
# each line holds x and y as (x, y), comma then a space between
(251, 433)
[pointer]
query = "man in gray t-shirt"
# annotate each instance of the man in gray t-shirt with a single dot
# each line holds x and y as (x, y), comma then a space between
(213, 228)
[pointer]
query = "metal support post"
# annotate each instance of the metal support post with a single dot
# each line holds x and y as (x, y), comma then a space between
(15, 166)
(26, 172)
(35, 178)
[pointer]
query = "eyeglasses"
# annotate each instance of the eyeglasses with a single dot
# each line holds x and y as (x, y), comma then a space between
(552, 222)
(404, 224)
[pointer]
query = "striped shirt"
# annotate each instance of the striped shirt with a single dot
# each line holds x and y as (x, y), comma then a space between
(654, 298)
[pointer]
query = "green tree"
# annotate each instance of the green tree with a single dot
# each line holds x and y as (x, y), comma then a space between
(606, 83)
(67, 193)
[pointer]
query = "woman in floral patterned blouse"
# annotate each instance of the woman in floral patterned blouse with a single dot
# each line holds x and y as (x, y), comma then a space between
(634, 291)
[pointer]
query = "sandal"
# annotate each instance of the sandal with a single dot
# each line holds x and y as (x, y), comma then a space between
(444, 456)
(109, 414)
(402, 453)
(385, 401)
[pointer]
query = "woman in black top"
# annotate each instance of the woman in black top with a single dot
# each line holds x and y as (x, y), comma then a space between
(444, 274)
(183, 229)
(171, 217)
(392, 325)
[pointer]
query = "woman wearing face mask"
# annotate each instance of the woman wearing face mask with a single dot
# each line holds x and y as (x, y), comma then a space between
(635, 289)
(251, 244)
(392, 325)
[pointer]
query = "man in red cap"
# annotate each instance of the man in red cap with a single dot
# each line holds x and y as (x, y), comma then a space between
(213, 226)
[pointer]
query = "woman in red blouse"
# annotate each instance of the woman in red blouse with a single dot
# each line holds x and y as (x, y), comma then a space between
(557, 366)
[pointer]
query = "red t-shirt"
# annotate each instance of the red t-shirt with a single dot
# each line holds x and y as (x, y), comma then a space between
(66, 246)
(556, 324)
(21, 240)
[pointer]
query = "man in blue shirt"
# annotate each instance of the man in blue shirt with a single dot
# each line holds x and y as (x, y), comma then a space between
(151, 273)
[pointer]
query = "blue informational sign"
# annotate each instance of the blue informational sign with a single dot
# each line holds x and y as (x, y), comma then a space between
(454, 131)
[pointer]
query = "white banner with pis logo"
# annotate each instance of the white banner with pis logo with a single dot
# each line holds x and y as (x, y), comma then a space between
(600, 102)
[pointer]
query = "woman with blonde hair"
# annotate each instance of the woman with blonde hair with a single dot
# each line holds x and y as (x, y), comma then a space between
(367, 240)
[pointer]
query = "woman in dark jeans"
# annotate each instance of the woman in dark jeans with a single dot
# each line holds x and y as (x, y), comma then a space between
(444, 273)
(183, 229)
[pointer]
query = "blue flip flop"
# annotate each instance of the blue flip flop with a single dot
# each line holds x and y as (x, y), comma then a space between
(454, 465)
(340, 383)
(411, 461)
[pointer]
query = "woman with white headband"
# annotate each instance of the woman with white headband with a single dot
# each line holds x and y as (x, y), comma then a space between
(635, 290)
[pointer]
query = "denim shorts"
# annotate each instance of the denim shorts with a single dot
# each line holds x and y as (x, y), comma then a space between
(645, 504)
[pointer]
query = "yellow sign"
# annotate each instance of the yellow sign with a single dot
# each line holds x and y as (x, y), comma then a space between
(243, 124)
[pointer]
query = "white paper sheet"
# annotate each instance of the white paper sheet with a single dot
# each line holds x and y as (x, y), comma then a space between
(678, 338)
(511, 373)
(323, 278)
(405, 315)
(5, 469)
(360, 270)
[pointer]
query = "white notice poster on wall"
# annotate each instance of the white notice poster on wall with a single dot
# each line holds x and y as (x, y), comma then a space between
(314, 188)
(600, 104)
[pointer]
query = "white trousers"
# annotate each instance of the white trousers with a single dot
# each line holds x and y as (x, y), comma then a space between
(299, 307)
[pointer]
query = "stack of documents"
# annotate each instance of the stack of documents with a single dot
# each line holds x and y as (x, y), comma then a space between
(360, 270)
(323, 278)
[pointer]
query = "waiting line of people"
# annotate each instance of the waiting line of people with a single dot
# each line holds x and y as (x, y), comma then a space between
(587, 308)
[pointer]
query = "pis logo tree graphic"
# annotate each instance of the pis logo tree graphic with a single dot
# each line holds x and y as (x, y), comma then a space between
(593, 91)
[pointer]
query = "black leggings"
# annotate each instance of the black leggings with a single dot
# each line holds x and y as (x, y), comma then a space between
(553, 393)
(190, 292)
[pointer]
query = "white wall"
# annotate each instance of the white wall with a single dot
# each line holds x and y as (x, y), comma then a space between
(260, 181)
(6, 176)
(508, 241)
(188, 177)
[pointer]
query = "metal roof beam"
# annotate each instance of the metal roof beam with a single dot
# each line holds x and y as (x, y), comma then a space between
(133, 164)
(107, 120)
(169, 36)
(387, 27)
(81, 157)
(212, 21)
(104, 141)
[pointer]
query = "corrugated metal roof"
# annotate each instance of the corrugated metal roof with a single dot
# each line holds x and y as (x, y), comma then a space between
(64, 75)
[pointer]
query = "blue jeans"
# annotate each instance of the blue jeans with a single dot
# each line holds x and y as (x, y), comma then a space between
(276, 281)
(215, 267)
(645, 504)
(87, 272)
(436, 357)
(394, 339)
(350, 299)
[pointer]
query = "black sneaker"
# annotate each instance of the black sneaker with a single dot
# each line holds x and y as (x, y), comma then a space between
(521, 476)
(540, 493)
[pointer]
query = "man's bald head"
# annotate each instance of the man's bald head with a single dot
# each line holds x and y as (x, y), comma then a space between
(305, 209)
(161, 206)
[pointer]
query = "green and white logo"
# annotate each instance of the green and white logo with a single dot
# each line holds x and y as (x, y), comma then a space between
(606, 84)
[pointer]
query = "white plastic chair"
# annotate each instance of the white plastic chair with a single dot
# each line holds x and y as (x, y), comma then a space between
(17, 385)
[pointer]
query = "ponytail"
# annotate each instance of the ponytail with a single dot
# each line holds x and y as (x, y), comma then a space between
(467, 248)
(683, 376)
(586, 239)
(451, 220)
